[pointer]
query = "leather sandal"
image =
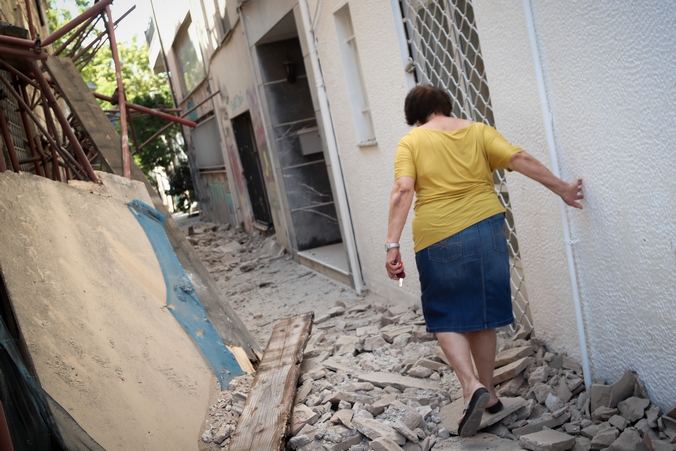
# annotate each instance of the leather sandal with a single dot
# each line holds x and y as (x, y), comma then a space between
(495, 408)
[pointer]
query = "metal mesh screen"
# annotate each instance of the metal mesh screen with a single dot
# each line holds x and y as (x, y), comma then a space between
(444, 48)
(11, 109)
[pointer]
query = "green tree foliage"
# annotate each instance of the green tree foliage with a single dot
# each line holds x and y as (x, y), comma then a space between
(141, 87)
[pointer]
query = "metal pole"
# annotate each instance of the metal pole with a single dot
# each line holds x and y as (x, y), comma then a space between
(91, 12)
(22, 77)
(163, 129)
(100, 35)
(23, 53)
(82, 158)
(150, 111)
(29, 15)
(126, 161)
(29, 135)
(72, 37)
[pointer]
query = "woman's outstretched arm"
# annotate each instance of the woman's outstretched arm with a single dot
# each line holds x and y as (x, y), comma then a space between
(529, 166)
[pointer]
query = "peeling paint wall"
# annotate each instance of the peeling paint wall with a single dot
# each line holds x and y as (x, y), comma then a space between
(612, 89)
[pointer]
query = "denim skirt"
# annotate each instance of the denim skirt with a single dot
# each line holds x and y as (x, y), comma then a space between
(464, 279)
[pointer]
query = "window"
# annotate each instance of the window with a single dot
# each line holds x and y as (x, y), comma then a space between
(353, 72)
(189, 57)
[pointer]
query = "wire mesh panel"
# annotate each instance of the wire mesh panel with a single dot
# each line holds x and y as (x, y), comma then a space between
(15, 125)
(444, 48)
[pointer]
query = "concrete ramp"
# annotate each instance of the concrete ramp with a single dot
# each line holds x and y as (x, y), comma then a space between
(88, 301)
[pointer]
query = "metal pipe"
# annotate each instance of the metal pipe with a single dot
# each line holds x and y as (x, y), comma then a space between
(126, 159)
(18, 42)
(100, 35)
(9, 145)
(29, 134)
(22, 77)
(341, 194)
(163, 129)
(150, 111)
(22, 53)
(82, 158)
(55, 173)
(93, 11)
(72, 37)
(29, 16)
(551, 144)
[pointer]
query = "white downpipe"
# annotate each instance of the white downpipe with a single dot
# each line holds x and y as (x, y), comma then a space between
(546, 112)
(336, 169)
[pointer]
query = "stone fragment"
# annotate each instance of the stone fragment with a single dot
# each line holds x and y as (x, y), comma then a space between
(551, 422)
(365, 331)
(419, 372)
(385, 444)
(358, 308)
(661, 445)
(336, 311)
(391, 332)
(599, 395)
(357, 386)
(248, 266)
(509, 371)
(408, 415)
(374, 430)
(380, 379)
(321, 319)
(553, 402)
(539, 374)
(627, 440)
(618, 422)
(604, 413)
(404, 430)
(633, 408)
(652, 414)
(582, 444)
(343, 417)
(605, 437)
(344, 443)
(541, 392)
(563, 391)
(623, 388)
(299, 441)
(420, 335)
(412, 447)
(591, 430)
(512, 355)
(431, 364)
(511, 387)
(303, 391)
(301, 416)
(401, 340)
(337, 396)
(572, 428)
(380, 405)
(547, 440)
(373, 343)
(571, 364)
(642, 426)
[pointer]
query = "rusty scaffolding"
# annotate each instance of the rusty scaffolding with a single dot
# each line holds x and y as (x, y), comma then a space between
(38, 135)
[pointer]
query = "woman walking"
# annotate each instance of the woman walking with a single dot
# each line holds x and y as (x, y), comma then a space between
(459, 235)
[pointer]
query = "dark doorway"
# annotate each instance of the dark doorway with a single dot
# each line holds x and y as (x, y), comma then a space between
(251, 166)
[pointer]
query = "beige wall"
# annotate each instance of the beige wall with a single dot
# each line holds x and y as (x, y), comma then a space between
(611, 87)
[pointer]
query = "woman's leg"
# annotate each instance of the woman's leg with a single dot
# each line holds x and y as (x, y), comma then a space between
(457, 348)
(482, 344)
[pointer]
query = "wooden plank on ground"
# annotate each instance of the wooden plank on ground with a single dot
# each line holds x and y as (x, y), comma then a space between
(105, 138)
(267, 411)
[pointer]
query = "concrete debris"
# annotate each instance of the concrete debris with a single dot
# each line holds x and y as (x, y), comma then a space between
(374, 379)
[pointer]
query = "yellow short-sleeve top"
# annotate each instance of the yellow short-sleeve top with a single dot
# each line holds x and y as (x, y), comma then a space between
(453, 178)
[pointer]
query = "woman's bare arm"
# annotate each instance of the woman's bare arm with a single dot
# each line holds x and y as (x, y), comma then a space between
(529, 166)
(401, 199)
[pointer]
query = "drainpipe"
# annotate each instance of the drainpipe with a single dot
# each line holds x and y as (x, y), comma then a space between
(549, 128)
(344, 207)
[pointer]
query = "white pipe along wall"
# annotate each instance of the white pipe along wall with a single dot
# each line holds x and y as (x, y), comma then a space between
(551, 144)
(344, 208)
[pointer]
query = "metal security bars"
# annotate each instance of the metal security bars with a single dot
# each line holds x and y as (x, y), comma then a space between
(444, 51)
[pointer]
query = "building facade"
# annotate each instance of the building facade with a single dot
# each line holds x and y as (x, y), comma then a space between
(586, 88)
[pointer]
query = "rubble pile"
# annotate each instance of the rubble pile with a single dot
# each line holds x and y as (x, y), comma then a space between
(372, 378)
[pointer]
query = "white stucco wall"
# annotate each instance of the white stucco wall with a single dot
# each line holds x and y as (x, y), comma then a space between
(369, 171)
(612, 85)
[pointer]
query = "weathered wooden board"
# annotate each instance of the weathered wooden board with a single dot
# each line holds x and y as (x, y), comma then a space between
(267, 412)
(105, 138)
